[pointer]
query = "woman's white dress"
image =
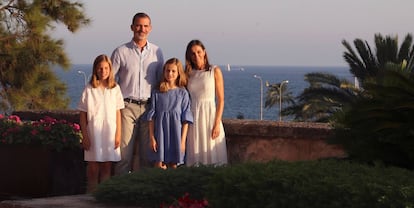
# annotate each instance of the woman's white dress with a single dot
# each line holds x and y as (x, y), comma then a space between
(201, 148)
(101, 106)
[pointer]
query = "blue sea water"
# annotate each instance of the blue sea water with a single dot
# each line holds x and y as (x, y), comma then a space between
(242, 90)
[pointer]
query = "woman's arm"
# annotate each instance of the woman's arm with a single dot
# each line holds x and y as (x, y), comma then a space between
(219, 86)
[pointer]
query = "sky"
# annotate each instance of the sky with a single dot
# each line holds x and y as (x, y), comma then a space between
(242, 33)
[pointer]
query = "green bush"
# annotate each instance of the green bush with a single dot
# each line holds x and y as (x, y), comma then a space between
(307, 184)
(150, 187)
(326, 183)
(378, 125)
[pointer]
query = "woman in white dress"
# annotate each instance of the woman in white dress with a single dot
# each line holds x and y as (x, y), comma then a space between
(206, 143)
(100, 121)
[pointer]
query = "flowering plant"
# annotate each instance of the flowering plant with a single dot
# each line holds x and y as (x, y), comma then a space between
(186, 202)
(55, 134)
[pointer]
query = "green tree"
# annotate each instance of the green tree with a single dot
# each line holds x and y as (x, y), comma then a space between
(27, 52)
(325, 95)
(365, 63)
(379, 126)
(273, 95)
(328, 95)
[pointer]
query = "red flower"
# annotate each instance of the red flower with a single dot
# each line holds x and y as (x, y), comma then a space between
(34, 132)
(186, 202)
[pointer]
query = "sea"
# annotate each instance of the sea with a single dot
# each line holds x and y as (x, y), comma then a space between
(243, 86)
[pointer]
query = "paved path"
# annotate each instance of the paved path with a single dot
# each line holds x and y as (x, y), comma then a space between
(74, 201)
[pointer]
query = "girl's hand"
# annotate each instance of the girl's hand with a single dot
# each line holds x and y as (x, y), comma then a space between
(182, 147)
(86, 144)
(153, 144)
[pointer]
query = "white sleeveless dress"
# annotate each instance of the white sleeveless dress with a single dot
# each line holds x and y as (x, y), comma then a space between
(201, 148)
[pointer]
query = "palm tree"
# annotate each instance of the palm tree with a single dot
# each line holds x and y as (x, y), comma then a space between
(273, 95)
(379, 125)
(325, 95)
(328, 95)
(365, 64)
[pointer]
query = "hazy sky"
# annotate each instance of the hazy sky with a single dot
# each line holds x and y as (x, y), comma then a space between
(238, 32)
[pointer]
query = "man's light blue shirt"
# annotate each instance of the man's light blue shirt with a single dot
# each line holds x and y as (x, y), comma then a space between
(137, 72)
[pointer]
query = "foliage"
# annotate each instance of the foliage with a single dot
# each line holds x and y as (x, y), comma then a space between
(274, 92)
(380, 125)
(325, 96)
(27, 52)
(325, 183)
(49, 132)
(149, 187)
(366, 64)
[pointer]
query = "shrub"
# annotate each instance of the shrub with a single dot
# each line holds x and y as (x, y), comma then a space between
(153, 186)
(49, 132)
(326, 183)
(311, 184)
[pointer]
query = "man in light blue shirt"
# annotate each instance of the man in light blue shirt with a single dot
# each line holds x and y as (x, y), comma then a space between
(138, 68)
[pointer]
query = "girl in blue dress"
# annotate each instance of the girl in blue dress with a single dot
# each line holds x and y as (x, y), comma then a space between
(169, 117)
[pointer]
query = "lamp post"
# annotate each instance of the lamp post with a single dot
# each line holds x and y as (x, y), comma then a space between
(280, 98)
(84, 76)
(261, 95)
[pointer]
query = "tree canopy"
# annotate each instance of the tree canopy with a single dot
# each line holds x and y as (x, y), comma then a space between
(28, 52)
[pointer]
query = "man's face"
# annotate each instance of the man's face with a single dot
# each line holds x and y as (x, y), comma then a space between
(141, 28)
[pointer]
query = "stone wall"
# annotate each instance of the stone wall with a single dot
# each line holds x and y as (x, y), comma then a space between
(254, 140)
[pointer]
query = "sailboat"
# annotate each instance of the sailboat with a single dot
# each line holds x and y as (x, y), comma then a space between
(228, 67)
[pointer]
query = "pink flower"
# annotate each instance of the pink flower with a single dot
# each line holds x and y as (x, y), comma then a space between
(15, 118)
(50, 120)
(76, 127)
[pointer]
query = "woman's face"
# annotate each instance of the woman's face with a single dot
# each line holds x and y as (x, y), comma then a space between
(198, 55)
(103, 70)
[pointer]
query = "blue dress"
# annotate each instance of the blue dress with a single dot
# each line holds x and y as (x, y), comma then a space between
(168, 111)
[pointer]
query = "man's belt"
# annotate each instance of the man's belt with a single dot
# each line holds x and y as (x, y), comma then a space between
(138, 102)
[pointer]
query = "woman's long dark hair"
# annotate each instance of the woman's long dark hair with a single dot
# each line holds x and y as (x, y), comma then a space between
(189, 65)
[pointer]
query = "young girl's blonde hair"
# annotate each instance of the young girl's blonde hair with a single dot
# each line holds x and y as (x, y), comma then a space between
(181, 80)
(95, 79)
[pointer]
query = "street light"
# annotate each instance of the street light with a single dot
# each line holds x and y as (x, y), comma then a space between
(280, 98)
(261, 95)
(84, 76)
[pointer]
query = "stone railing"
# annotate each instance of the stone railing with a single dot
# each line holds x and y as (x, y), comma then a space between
(254, 140)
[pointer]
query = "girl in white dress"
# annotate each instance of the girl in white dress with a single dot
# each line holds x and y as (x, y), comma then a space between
(100, 121)
(206, 143)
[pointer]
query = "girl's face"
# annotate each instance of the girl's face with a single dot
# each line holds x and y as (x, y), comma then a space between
(171, 73)
(103, 70)
(198, 55)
